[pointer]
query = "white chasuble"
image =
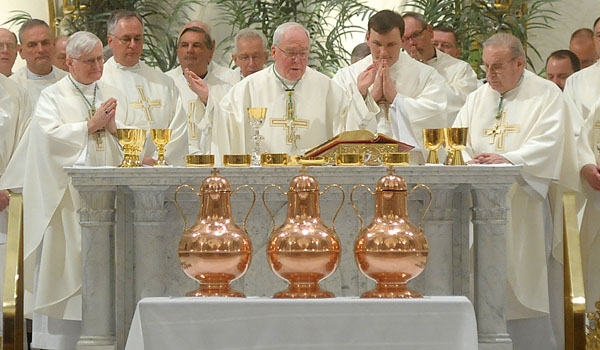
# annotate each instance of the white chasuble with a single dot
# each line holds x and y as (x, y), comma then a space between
(200, 116)
(421, 102)
(58, 137)
(528, 132)
(319, 108)
(34, 84)
(153, 102)
(582, 89)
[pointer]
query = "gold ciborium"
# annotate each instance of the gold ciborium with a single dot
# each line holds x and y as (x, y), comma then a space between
(391, 250)
(303, 251)
(161, 137)
(432, 140)
(256, 117)
(129, 138)
(214, 251)
(456, 139)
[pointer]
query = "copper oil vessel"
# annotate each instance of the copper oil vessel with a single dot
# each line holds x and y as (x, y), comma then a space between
(214, 251)
(391, 250)
(303, 251)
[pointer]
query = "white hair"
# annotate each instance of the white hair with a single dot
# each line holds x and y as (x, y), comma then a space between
(251, 33)
(284, 28)
(81, 43)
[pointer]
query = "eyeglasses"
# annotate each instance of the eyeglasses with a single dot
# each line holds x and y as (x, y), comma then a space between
(415, 35)
(125, 40)
(8, 46)
(246, 58)
(91, 61)
(497, 67)
(293, 54)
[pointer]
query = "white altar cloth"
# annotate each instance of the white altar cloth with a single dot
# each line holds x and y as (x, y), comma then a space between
(440, 323)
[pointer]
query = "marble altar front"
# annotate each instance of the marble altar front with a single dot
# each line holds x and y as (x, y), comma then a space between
(131, 228)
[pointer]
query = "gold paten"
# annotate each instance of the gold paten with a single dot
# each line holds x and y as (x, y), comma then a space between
(274, 159)
(200, 160)
(391, 250)
(132, 141)
(456, 139)
(303, 251)
(396, 158)
(237, 160)
(350, 159)
(215, 251)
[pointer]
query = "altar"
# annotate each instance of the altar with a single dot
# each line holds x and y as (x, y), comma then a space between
(131, 228)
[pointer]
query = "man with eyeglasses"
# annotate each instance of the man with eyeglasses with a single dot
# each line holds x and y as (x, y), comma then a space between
(392, 93)
(251, 54)
(37, 49)
(520, 118)
(74, 123)
(201, 90)
(304, 107)
(8, 51)
(445, 39)
(154, 100)
(460, 76)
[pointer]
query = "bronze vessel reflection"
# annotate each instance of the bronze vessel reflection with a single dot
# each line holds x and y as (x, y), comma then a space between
(303, 250)
(215, 251)
(391, 250)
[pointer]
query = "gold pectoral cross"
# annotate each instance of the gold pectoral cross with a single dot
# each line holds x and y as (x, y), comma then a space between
(290, 123)
(191, 119)
(500, 129)
(98, 134)
(145, 104)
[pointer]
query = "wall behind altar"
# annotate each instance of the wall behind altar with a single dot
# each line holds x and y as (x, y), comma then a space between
(574, 14)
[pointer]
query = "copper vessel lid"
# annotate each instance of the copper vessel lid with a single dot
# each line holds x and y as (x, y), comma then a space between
(391, 182)
(304, 183)
(215, 184)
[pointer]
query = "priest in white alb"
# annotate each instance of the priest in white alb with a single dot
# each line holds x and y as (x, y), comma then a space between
(518, 118)
(74, 123)
(201, 90)
(153, 100)
(392, 93)
(304, 107)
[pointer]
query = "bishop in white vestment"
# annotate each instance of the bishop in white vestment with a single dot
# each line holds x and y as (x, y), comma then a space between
(518, 118)
(304, 107)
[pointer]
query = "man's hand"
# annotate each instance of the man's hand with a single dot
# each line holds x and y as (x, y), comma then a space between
(197, 84)
(489, 158)
(591, 174)
(104, 118)
(366, 79)
(4, 199)
(389, 87)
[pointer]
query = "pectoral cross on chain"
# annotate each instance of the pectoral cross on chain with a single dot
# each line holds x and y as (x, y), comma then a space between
(290, 123)
(145, 104)
(97, 134)
(191, 120)
(500, 129)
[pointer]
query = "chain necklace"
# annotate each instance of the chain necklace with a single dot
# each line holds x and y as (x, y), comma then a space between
(91, 105)
(290, 91)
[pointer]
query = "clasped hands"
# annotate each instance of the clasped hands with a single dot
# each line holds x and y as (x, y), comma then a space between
(104, 117)
(378, 76)
(489, 158)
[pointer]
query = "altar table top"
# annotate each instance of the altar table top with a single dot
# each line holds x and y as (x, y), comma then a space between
(430, 323)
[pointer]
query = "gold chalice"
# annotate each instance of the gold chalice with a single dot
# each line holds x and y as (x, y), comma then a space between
(139, 140)
(161, 137)
(432, 140)
(457, 141)
(256, 117)
(127, 139)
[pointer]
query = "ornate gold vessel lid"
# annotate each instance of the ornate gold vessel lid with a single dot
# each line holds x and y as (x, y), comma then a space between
(391, 182)
(215, 184)
(304, 182)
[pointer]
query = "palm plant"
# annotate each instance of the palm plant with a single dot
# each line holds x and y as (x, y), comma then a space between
(162, 21)
(476, 20)
(327, 21)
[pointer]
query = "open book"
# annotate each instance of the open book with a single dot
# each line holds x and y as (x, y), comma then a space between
(355, 139)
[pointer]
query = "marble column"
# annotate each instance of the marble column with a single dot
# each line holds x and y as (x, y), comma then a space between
(97, 217)
(489, 233)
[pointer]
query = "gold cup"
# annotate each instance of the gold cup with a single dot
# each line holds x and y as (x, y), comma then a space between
(161, 137)
(432, 140)
(237, 160)
(312, 161)
(130, 140)
(200, 160)
(274, 159)
(350, 159)
(457, 141)
(396, 158)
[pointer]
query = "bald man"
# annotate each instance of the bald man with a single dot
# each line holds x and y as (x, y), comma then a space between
(582, 44)
(60, 52)
(8, 51)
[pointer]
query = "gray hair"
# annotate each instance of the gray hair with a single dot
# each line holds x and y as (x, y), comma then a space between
(34, 22)
(284, 28)
(506, 39)
(251, 33)
(81, 43)
(417, 17)
(114, 18)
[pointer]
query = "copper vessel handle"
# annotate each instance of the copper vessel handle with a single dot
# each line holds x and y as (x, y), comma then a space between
(428, 204)
(265, 202)
(341, 203)
(251, 205)
(362, 223)
(185, 226)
